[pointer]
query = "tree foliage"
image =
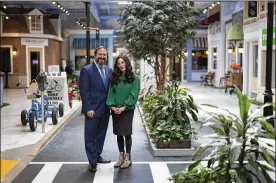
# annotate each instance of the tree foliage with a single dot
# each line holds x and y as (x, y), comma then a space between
(158, 29)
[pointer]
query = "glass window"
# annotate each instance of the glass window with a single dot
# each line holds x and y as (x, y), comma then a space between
(5, 57)
(80, 61)
(199, 60)
(214, 55)
(36, 23)
(255, 61)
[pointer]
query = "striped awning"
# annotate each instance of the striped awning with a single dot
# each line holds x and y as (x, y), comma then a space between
(200, 43)
(80, 43)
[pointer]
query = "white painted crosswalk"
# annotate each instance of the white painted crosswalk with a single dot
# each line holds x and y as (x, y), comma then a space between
(48, 173)
(160, 171)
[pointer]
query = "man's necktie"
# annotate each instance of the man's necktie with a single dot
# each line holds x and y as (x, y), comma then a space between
(103, 77)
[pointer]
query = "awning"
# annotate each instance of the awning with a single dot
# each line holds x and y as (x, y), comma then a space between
(211, 19)
(200, 43)
(235, 33)
(80, 43)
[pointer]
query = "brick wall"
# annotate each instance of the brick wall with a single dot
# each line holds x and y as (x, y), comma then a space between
(52, 53)
(19, 60)
(52, 57)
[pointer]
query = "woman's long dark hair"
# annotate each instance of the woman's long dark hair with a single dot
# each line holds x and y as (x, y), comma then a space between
(117, 74)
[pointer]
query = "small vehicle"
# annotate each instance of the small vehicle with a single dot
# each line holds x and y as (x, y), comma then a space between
(34, 115)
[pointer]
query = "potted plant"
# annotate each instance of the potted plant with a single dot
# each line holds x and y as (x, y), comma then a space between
(237, 145)
(168, 115)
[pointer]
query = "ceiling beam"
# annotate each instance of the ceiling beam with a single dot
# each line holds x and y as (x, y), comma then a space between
(107, 7)
(94, 12)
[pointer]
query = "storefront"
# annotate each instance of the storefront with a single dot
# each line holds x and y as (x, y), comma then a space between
(29, 44)
(197, 59)
(78, 47)
(255, 30)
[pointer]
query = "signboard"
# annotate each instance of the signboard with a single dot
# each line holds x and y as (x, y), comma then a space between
(264, 36)
(34, 42)
(53, 69)
(57, 90)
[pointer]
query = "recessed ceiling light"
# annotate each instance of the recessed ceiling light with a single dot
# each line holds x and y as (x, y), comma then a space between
(7, 17)
(5, 7)
(54, 2)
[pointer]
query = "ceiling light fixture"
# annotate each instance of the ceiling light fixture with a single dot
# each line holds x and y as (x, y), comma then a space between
(54, 2)
(124, 2)
(4, 6)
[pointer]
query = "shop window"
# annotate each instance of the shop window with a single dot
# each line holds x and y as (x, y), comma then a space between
(214, 56)
(36, 23)
(80, 61)
(5, 57)
(199, 60)
(264, 69)
(255, 61)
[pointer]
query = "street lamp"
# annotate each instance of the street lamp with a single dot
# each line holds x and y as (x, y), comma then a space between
(268, 111)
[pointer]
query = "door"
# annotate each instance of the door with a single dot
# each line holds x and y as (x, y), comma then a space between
(35, 62)
(255, 60)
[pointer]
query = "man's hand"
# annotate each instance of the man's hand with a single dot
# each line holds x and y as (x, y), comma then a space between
(90, 114)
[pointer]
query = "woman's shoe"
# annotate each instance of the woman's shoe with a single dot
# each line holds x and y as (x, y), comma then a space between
(120, 161)
(127, 162)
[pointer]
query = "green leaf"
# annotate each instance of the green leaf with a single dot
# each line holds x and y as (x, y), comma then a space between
(209, 105)
(193, 165)
(199, 150)
(266, 156)
(266, 175)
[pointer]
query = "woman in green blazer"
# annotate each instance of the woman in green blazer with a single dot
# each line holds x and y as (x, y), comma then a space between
(122, 98)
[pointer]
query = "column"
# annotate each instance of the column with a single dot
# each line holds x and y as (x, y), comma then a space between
(222, 49)
(87, 6)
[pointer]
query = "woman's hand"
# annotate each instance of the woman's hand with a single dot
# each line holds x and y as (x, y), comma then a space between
(118, 110)
(115, 110)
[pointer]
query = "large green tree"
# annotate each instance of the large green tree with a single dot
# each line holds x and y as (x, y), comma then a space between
(158, 29)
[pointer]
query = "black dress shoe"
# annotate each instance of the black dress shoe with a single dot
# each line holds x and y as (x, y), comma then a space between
(92, 167)
(101, 160)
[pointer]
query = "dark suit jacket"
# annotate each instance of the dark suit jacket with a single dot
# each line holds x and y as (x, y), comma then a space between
(92, 90)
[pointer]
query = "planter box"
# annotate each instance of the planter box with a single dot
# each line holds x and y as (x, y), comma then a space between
(173, 144)
(165, 152)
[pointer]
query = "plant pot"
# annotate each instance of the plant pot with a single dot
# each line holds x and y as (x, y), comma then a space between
(173, 144)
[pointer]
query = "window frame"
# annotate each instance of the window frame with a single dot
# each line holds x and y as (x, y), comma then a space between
(31, 25)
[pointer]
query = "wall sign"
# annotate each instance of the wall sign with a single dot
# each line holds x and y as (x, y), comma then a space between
(34, 42)
(264, 36)
(53, 69)
(57, 90)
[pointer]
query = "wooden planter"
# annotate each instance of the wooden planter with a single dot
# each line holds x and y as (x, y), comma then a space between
(173, 144)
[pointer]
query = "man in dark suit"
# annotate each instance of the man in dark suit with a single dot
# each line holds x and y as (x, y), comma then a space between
(94, 82)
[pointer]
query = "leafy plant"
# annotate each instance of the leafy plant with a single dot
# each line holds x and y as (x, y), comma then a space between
(168, 113)
(238, 143)
(154, 30)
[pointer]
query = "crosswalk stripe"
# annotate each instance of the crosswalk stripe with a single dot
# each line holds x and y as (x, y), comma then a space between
(104, 173)
(160, 172)
(48, 173)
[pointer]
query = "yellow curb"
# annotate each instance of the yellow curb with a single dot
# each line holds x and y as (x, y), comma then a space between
(6, 166)
(50, 134)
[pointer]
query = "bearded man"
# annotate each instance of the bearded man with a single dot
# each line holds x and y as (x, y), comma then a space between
(94, 83)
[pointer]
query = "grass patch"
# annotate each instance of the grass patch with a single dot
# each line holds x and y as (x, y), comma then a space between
(4, 105)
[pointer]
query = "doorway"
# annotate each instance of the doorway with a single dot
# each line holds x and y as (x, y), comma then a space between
(35, 62)
(255, 63)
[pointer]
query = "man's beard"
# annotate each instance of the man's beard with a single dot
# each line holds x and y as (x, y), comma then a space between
(100, 61)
